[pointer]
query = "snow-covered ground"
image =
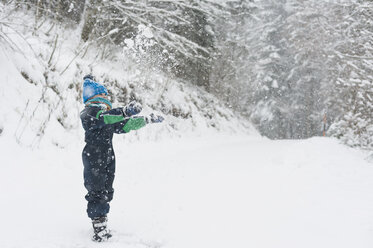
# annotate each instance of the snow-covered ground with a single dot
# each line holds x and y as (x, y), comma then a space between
(209, 191)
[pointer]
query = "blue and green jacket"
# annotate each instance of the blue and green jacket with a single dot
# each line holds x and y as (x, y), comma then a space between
(100, 125)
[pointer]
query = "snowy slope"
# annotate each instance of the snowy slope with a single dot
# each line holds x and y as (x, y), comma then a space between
(216, 191)
(42, 72)
(41, 86)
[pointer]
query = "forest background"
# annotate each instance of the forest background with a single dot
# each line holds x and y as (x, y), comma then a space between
(291, 68)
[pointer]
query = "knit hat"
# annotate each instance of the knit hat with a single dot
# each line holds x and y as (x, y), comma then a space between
(92, 88)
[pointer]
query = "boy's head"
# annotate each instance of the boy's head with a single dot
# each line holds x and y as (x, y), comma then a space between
(92, 89)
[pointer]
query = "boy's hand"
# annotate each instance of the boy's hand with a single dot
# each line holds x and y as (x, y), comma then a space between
(133, 108)
(152, 118)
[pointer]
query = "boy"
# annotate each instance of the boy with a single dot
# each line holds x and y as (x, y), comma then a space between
(100, 121)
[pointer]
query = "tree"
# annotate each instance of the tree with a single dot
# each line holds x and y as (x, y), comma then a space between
(351, 94)
(181, 31)
(62, 11)
(288, 63)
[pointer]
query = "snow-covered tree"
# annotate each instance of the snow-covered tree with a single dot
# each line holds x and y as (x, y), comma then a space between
(181, 31)
(230, 60)
(62, 11)
(287, 63)
(351, 94)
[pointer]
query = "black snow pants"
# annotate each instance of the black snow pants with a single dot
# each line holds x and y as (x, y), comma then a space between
(99, 172)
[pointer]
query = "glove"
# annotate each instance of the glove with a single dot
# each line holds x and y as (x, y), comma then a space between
(133, 108)
(152, 118)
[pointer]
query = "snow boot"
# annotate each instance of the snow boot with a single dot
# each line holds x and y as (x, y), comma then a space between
(101, 233)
